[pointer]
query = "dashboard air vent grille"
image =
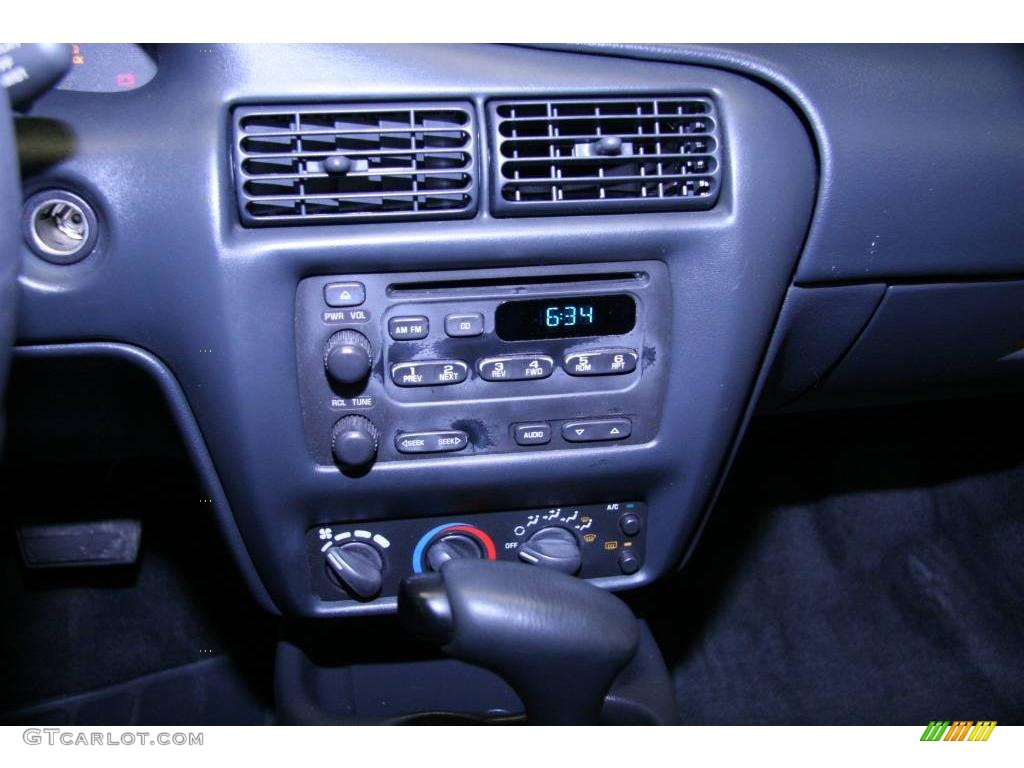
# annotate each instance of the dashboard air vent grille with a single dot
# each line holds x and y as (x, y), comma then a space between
(605, 155)
(347, 163)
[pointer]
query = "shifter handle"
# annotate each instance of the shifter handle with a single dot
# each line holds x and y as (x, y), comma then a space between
(557, 640)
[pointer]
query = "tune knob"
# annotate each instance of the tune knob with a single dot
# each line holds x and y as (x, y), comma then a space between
(554, 548)
(348, 358)
(454, 546)
(354, 441)
(357, 567)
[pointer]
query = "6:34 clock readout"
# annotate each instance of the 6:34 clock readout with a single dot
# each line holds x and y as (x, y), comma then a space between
(565, 318)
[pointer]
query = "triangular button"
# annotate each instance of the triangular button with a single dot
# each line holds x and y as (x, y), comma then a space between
(346, 295)
(580, 431)
(614, 431)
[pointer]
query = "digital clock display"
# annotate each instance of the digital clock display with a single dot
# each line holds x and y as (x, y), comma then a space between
(565, 318)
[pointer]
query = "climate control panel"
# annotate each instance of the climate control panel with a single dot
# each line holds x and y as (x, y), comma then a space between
(457, 364)
(365, 562)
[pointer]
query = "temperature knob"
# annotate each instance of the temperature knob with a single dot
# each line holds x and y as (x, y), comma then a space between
(358, 567)
(452, 547)
(451, 541)
(554, 548)
(348, 358)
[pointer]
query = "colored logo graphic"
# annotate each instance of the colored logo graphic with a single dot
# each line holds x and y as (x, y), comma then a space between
(958, 730)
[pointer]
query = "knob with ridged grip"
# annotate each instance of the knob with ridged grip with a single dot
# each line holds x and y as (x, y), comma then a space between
(354, 441)
(348, 358)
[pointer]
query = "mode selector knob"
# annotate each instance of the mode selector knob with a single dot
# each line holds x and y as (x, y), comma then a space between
(554, 548)
(357, 567)
(348, 358)
(354, 441)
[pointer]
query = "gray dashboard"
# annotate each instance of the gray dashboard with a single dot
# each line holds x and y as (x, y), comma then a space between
(230, 316)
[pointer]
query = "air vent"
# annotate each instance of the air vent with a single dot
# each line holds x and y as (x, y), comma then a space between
(605, 155)
(329, 164)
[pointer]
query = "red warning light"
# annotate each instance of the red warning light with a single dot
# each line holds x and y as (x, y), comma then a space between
(125, 80)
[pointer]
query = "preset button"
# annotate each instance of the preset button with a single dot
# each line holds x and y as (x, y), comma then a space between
(600, 362)
(429, 373)
(444, 441)
(515, 367)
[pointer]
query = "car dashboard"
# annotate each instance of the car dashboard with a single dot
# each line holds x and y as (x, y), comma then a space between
(420, 303)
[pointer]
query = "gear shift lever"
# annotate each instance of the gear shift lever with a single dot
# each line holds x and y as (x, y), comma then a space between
(557, 640)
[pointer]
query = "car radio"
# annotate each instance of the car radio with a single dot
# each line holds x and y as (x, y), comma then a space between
(404, 367)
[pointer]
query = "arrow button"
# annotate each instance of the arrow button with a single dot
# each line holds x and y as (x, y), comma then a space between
(344, 294)
(595, 430)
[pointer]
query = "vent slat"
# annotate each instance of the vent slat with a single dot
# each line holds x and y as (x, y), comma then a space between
(392, 171)
(608, 180)
(605, 155)
(334, 163)
(347, 153)
(354, 195)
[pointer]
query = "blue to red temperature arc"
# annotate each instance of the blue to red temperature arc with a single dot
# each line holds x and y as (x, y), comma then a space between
(470, 530)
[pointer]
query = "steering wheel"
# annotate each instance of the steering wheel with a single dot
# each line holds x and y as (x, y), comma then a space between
(10, 239)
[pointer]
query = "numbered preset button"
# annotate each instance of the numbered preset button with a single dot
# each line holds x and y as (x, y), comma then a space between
(515, 367)
(600, 362)
(429, 373)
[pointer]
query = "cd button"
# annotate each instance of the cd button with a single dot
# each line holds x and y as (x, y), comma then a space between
(464, 325)
(600, 362)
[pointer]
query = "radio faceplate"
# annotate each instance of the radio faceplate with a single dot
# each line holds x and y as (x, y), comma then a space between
(443, 383)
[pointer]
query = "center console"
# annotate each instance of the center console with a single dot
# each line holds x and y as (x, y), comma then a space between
(413, 366)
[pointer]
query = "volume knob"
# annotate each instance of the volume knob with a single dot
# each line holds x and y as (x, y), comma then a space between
(348, 358)
(354, 441)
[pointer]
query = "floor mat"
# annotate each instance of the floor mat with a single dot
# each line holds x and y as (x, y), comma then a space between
(210, 692)
(76, 631)
(863, 567)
